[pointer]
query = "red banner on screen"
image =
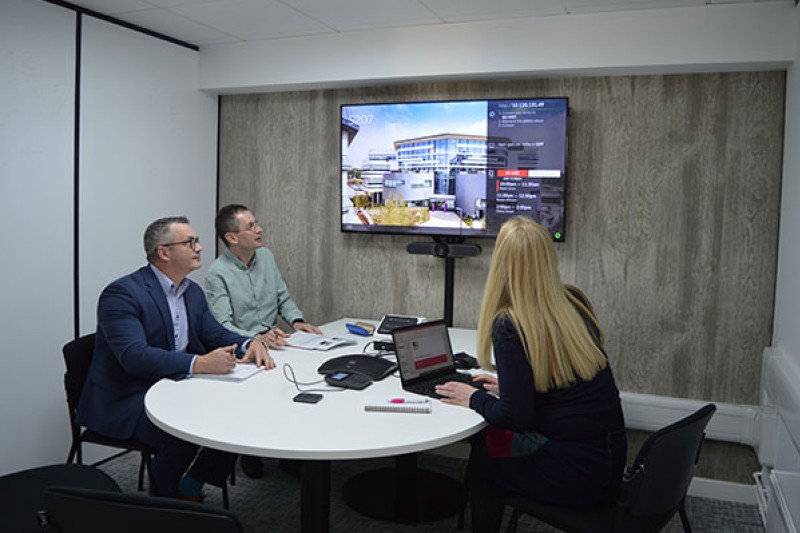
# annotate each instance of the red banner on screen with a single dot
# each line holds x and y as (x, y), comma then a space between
(512, 173)
(430, 361)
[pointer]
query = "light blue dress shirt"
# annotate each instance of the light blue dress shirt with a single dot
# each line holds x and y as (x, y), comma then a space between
(177, 310)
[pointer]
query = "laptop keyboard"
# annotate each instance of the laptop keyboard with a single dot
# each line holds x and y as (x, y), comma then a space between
(428, 388)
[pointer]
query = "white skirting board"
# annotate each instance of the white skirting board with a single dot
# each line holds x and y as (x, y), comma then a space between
(730, 423)
(779, 451)
(723, 490)
(783, 511)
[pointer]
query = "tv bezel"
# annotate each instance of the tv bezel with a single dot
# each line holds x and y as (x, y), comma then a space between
(387, 229)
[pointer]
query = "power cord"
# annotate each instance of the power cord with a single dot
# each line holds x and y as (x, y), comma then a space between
(293, 380)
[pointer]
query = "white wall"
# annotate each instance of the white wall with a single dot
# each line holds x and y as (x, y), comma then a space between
(693, 39)
(148, 149)
(36, 189)
(781, 381)
(787, 298)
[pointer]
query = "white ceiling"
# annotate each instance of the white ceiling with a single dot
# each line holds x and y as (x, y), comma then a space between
(213, 22)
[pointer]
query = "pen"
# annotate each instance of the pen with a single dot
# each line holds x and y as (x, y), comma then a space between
(408, 400)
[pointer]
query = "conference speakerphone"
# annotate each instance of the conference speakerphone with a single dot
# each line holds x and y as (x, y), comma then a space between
(374, 368)
(348, 380)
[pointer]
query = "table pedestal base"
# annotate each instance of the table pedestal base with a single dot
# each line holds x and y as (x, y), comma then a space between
(315, 497)
(404, 494)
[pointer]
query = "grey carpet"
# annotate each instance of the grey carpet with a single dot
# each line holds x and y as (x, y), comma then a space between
(272, 504)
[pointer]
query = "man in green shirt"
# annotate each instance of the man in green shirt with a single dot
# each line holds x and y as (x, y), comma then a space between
(246, 292)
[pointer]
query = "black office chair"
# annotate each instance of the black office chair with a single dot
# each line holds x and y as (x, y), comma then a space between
(21, 492)
(653, 487)
(77, 510)
(78, 355)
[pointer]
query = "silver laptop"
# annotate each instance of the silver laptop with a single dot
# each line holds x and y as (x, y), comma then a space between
(425, 358)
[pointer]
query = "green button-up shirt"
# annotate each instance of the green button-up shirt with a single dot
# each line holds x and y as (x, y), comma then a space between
(249, 300)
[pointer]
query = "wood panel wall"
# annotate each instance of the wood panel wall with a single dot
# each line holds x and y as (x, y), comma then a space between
(672, 222)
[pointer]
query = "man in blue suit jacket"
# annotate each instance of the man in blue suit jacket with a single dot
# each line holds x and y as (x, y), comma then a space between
(153, 324)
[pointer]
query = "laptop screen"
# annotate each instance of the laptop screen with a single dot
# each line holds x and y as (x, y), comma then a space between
(423, 349)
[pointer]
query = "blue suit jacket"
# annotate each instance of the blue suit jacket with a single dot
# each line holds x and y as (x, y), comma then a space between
(135, 347)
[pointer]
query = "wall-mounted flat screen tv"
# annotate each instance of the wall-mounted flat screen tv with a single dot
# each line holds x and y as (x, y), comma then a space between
(454, 169)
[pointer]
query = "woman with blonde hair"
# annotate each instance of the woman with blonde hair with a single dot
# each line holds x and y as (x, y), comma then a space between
(556, 432)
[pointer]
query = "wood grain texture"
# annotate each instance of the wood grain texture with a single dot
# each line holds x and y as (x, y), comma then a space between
(672, 217)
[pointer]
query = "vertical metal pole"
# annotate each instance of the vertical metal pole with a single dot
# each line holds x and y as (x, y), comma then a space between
(449, 282)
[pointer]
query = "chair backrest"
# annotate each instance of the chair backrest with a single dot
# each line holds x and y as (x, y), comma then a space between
(656, 483)
(75, 510)
(78, 355)
(21, 492)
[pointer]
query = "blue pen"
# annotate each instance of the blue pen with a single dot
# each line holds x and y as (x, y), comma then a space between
(358, 330)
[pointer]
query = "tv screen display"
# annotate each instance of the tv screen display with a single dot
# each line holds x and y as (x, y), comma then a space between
(455, 168)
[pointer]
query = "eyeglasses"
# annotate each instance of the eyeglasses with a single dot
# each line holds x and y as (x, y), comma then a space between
(193, 242)
(250, 227)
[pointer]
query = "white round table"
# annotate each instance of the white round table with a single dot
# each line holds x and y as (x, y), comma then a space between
(258, 417)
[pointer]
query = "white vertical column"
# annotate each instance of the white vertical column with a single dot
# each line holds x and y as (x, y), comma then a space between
(148, 150)
(37, 65)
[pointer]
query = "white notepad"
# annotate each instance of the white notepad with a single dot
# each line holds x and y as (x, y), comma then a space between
(239, 373)
(393, 404)
(312, 341)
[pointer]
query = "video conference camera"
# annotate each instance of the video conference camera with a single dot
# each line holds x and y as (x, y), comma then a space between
(443, 249)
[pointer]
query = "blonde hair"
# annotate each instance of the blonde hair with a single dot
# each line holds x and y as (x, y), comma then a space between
(524, 285)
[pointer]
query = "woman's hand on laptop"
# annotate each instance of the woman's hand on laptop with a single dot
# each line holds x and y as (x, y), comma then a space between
(456, 393)
(490, 383)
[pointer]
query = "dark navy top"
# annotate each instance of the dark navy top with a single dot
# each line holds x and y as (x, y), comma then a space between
(582, 459)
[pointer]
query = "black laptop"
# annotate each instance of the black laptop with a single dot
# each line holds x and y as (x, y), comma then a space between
(425, 358)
